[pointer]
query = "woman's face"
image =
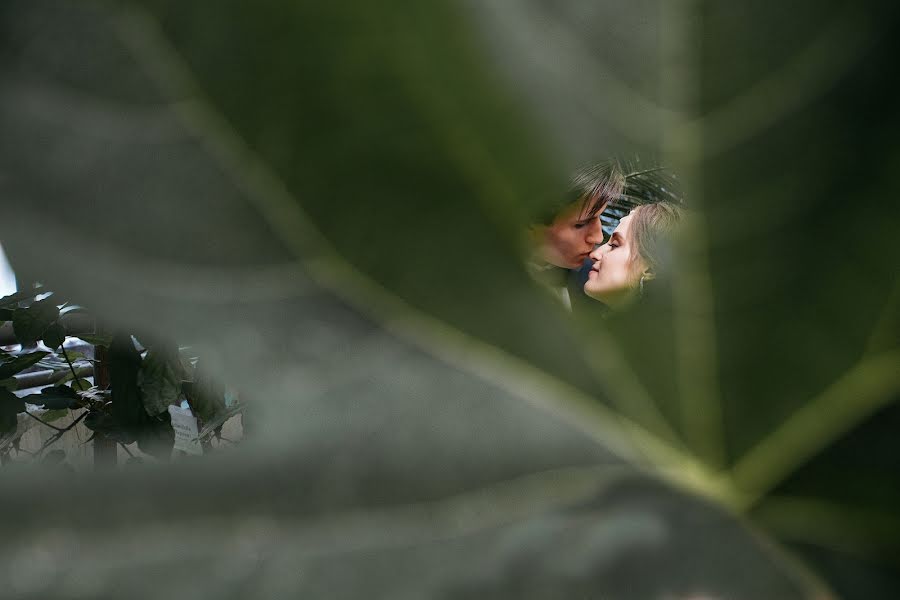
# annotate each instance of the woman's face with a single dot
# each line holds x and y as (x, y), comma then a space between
(617, 268)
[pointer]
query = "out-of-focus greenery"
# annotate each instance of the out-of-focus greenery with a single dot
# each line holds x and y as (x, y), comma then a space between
(328, 199)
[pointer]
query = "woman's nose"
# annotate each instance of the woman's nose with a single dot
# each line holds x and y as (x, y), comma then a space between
(596, 253)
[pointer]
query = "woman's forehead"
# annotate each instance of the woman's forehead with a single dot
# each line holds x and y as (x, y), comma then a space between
(622, 227)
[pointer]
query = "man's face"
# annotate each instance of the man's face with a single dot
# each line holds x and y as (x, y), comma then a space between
(571, 237)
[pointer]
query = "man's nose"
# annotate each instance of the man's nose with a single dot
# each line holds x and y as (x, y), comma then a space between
(595, 232)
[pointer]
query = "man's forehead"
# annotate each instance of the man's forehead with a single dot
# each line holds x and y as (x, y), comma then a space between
(581, 211)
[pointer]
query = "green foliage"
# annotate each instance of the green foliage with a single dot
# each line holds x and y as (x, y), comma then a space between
(54, 336)
(135, 409)
(31, 322)
(57, 397)
(53, 415)
(96, 339)
(12, 301)
(160, 379)
(9, 366)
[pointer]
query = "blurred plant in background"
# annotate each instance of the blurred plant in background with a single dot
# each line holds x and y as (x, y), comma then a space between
(120, 392)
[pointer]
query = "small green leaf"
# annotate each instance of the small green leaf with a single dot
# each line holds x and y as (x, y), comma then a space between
(30, 323)
(97, 421)
(75, 356)
(80, 385)
(10, 367)
(53, 415)
(96, 339)
(55, 398)
(65, 378)
(54, 336)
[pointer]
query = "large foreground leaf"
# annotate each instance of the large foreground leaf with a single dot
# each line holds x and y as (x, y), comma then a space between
(326, 201)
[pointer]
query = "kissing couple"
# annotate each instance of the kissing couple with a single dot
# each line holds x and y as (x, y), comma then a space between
(570, 255)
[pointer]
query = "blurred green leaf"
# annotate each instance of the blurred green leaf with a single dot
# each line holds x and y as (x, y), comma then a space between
(55, 398)
(80, 385)
(96, 339)
(53, 415)
(54, 336)
(363, 159)
(30, 323)
(12, 300)
(14, 365)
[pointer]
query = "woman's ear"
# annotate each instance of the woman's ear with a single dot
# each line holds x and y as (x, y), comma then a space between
(648, 274)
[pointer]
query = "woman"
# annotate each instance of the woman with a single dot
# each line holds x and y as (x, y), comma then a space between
(632, 256)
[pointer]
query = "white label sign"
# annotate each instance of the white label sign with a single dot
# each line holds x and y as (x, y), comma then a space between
(185, 425)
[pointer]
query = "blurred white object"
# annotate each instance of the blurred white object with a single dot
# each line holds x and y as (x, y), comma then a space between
(7, 277)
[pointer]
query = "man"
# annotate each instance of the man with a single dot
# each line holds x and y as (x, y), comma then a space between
(571, 228)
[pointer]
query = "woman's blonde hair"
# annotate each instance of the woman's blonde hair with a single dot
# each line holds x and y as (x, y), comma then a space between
(651, 228)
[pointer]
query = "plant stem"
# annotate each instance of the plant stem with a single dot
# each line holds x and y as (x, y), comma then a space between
(60, 432)
(62, 349)
(127, 451)
(43, 422)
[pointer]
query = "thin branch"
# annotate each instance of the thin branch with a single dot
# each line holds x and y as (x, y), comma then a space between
(53, 439)
(43, 422)
(125, 448)
(62, 349)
